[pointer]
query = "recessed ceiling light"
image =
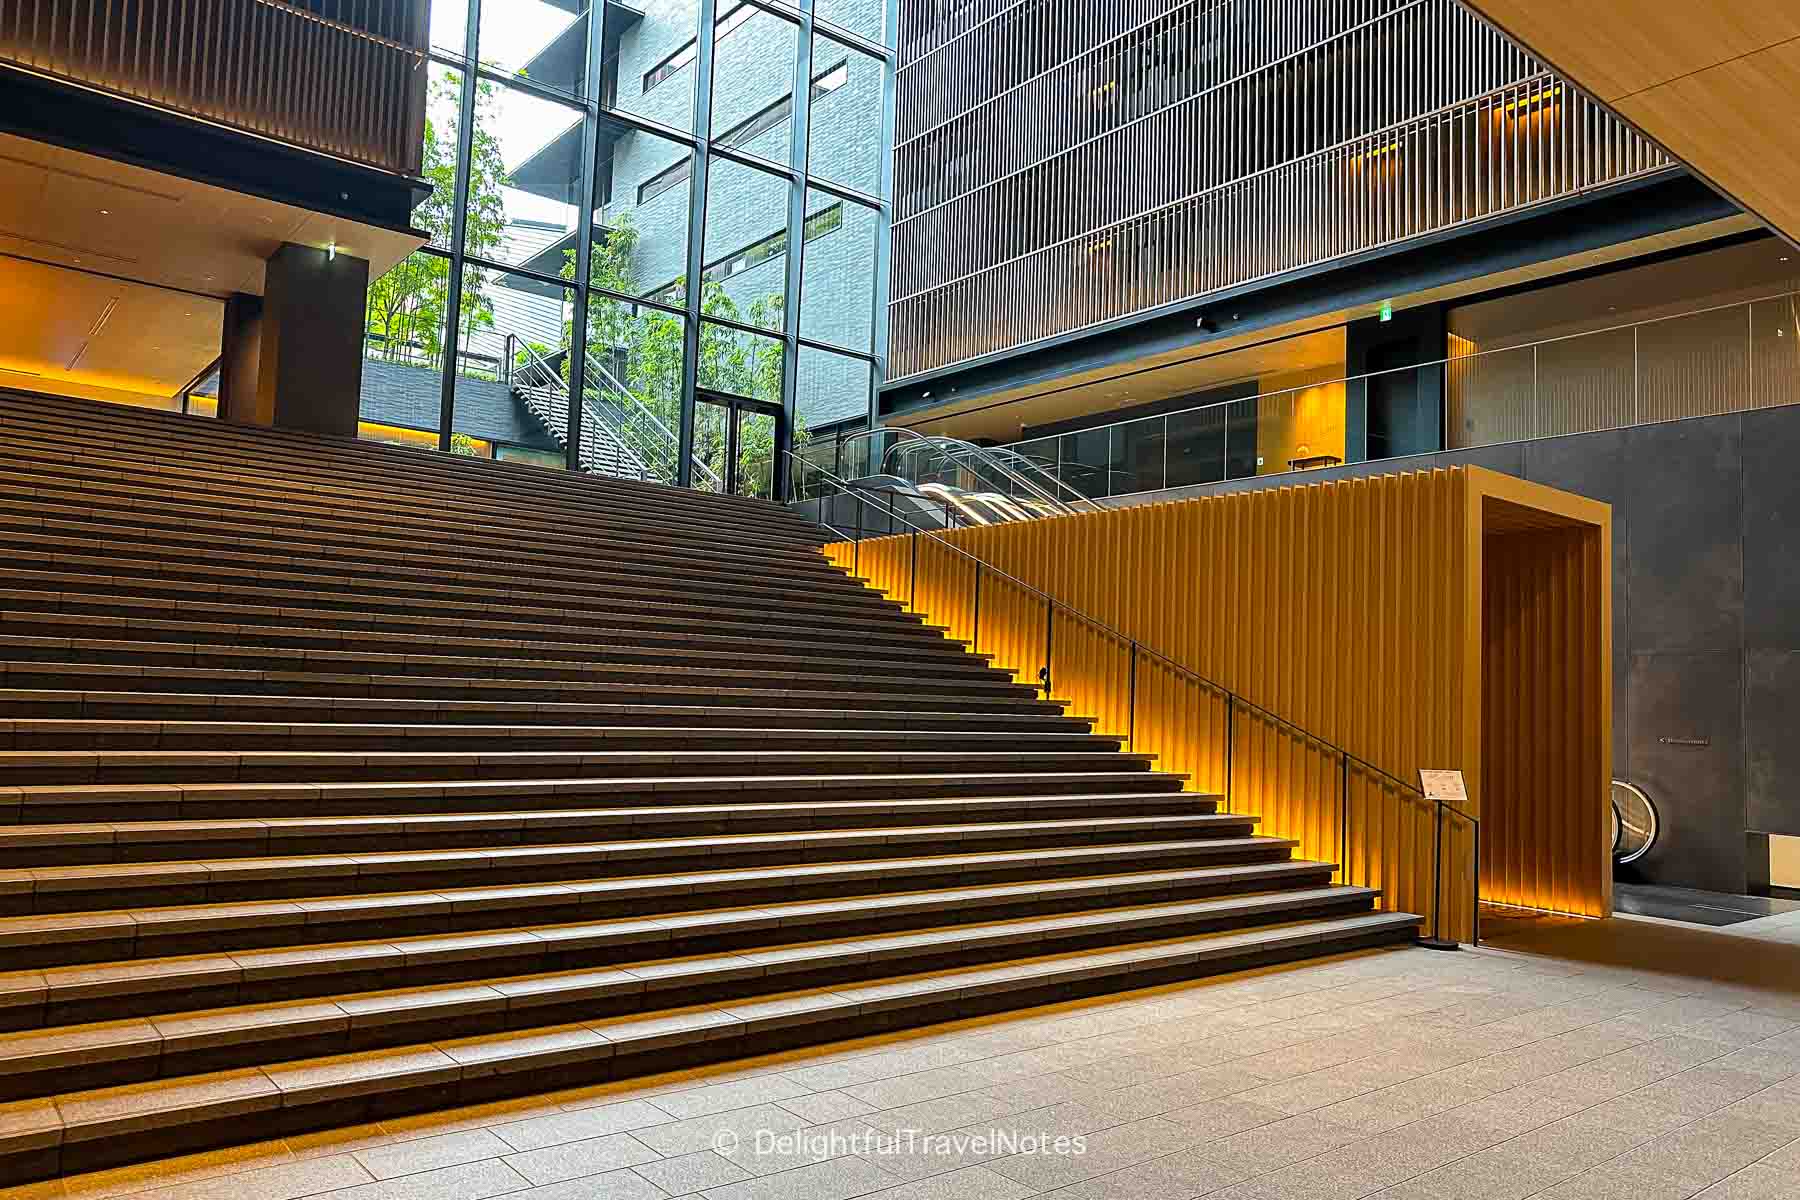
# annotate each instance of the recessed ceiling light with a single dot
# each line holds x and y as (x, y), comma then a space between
(106, 212)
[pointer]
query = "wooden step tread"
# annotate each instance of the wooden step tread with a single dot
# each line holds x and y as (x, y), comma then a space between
(145, 573)
(273, 830)
(640, 977)
(251, 505)
(163, 1105)
(136, 532)
(817, 580)
(360, 481)
(303, 796)
(701, 734)
(96, 590)
(90, 586)
(551, 625)
(633, 941)
(548, 517)
(353, 645)
(723, 628)
(132, 933)
(415, 685)
(570, 713)
(341, 868)
(699, 759)
(328, 626)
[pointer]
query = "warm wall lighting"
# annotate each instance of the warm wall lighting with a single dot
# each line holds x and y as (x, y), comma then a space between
(1377, 152)
(1534, 100)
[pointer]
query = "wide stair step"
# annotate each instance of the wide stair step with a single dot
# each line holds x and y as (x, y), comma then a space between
(339, 781)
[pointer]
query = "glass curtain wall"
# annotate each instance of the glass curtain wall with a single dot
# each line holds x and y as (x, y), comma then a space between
(658, 237)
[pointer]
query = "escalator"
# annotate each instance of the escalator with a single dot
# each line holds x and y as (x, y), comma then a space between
(900, 478)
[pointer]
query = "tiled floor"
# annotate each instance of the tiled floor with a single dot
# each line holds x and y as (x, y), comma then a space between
(1568, 1061)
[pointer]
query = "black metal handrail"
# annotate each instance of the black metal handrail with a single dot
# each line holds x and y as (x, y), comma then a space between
(1232, 700)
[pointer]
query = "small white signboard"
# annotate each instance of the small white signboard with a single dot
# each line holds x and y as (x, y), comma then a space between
(1443, 785)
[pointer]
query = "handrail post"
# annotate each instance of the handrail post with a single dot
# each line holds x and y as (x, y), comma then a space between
(1344, 814)
(1230, 738)
(1437, 940)
(1131, 702)
(975, 637)
(856, 553)
(1475, 891)
(1437, 872)
(1049, 630)
(912, 600)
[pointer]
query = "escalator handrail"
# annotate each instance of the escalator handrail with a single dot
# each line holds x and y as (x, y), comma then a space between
(954, 446)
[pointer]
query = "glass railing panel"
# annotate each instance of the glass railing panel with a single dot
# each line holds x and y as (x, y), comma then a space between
(1042, 454)
(1300, 428)
(1775, 352)
(1586, 383)
(1196, 446)
(1140, 450)
(1087, 463)
(1490, 397)
(1693, 366)
(1241, 445)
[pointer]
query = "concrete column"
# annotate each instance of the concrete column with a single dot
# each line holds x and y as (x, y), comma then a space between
(292, 358)
(240, 353)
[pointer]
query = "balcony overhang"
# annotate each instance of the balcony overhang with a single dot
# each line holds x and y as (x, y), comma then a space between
(191, 150)
(84, 212)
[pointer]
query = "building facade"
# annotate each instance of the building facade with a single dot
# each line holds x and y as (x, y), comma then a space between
(1169, 247)
(1170, 151)
(587, 166)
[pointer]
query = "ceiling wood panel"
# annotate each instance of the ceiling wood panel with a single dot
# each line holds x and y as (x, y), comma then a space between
(70, 209)
(1713, 82)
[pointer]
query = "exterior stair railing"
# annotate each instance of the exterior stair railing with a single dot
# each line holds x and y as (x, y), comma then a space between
(1375, 826)
(620, 436)
(632, 421)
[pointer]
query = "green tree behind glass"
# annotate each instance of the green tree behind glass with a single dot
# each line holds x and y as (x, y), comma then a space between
(407, 306)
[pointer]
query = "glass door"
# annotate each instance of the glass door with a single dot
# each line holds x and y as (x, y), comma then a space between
(737, 440)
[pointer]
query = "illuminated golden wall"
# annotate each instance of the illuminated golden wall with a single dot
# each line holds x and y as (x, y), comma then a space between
(1299, 415)
(1358, 610)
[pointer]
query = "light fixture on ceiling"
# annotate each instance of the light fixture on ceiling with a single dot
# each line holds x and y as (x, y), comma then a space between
(106, 212)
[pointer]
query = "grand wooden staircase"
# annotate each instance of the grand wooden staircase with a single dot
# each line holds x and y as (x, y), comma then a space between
(340, 780)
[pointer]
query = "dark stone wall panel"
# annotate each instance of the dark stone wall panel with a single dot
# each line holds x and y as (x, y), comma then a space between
(1772, 740)
(1678, 698)
(1685, 501)
(1772, 529)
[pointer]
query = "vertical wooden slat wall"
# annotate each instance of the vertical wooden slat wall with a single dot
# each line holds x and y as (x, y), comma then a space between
(1542, 592)
(1345, 609)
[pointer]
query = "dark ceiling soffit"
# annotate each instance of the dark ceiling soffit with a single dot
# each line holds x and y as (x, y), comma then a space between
(157, 139)
(1572, 226)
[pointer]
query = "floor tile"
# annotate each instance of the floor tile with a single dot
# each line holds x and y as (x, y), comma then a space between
(570, 1160)
(687, 1173)
(838, 1179)
(427, 1153)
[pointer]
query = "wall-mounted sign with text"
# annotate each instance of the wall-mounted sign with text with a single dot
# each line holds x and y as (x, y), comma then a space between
(1446, 786)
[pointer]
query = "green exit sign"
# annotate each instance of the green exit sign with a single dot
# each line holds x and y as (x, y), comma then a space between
(1387, 310)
